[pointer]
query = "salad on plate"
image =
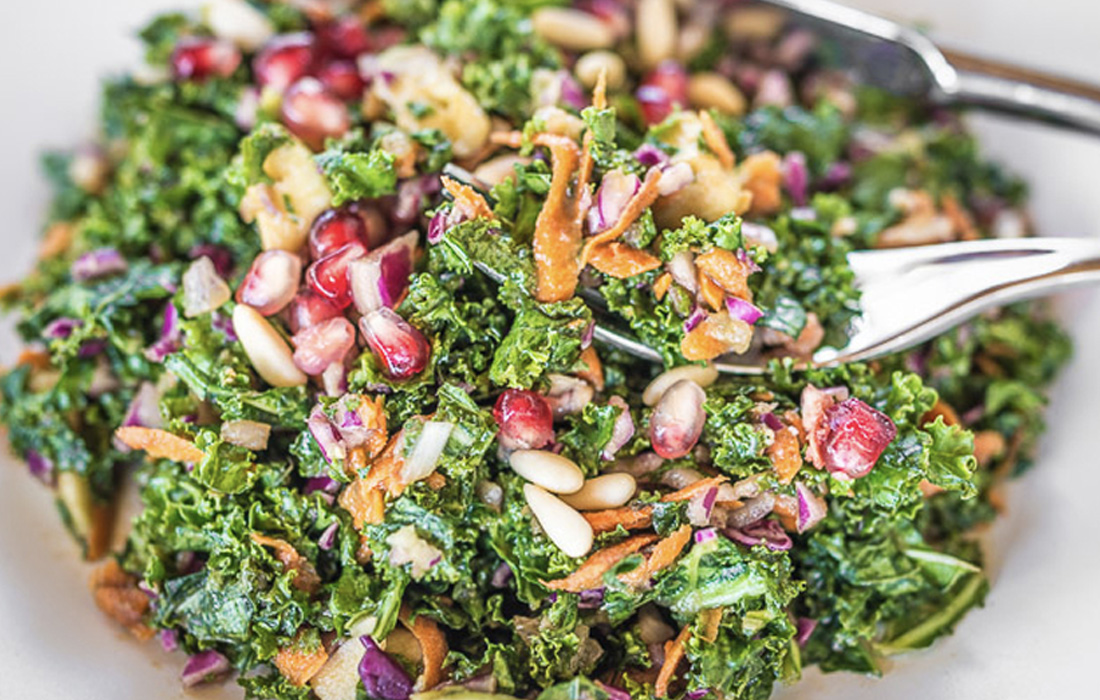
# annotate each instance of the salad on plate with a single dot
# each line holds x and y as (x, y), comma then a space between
(321, 294)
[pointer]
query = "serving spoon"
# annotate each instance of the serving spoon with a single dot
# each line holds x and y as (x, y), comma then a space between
(910, 295)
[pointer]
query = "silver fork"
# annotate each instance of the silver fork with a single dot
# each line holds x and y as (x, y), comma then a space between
(909, 295)
(902, 60)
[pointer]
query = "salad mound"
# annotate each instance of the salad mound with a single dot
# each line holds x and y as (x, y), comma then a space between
(325, 291)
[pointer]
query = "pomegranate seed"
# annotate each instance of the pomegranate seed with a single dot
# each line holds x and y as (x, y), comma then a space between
(308, 309)
(677, 420)
(401, 348)
(335, 229)
(312, 113)
(198, 59)
(386, 37)
(271, 282)
(322, 345)
(857, 436)
(343, 80)
(328, 276)
(284, 61)
(343, 38)
(664, 88)
(525, 420)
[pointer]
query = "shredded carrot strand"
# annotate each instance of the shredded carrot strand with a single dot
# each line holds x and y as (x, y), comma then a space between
(558, 232)
(299, 665)
(159, 444)
(661, 286)
(512, 139)
(590, 574)
(603, 521)
(674, 653)
(468, 199)
(664, 554)
(622, 261)
(785, 454)
(433, 648)
(716, 141)
(307, 578)
(692, 490)
(642, 200)
(593, 371)
(599, 93)
(712, 620)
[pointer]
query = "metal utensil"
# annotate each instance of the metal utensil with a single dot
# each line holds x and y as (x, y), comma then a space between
(909, 295)
(902, 60)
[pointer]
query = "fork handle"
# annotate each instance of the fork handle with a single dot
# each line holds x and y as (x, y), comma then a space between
(1024, 92)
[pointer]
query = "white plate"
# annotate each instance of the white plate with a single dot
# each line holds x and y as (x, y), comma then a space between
(1038, 634)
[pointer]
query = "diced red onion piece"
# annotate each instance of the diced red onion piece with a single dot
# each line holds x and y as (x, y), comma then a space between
(705, 535)
(501, 576)
(204, 667)
(775, 90)
(616, 189)
(796, 177)
(677, 420)
(219, 256)
(621, 432)
(766, 532)
(697, 316)
(41, 467)
(61, 328)
(380, 278)
(427, 451)
(743, 310)
(752, 511)
(772, 421)
(383, 677)
(326, 435)
(650, 155)
(96, 264)
(675, 178)
(144, 408)
(327, 540)
(402, 349)
(321, 483)
(317, 347)
(811, 507)
(170, 336)
(805, 627)
(169, 640)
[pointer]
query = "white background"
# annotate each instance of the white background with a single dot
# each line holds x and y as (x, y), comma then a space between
(1037, 636)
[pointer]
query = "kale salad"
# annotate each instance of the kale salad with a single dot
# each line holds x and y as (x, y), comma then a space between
(322, 294)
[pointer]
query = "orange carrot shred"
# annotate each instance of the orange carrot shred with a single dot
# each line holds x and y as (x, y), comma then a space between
(307, 578)
(37, 359)
(944, 409)
(674, 653)
(512, 139)
(716, 141)
(599, 93)
(365, 504)
(661, 286)
(468, 199)
(116, 593)
(726, 270)
(641, 201)
(557, 237)
(664, 555)
(590, 574)
(433, 648)
(603, 521)
(762, 177)
(297, 664)
(622, 261)
(712, 294)
(159, 444)
(692, 490)
(593, 371)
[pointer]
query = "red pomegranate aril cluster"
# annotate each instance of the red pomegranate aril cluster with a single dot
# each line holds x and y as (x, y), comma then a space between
(328, 276)
(342, 79)
(661, 91)
(308, 309)
(284, 61)
(401, 348)
(525, 420)
(344, 38)
(322, 345)
(335, 229)
(313, 113)
(198, 59)
(857, 436)
(271, 282)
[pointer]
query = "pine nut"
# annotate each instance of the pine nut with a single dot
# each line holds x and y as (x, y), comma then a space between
(267, 351)
(565, 527)
(714, 91)
(754, 23)
(603, 492)
(575, 30)
(703, 375)
(550, 471)
(657, 31)
(590, 65)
